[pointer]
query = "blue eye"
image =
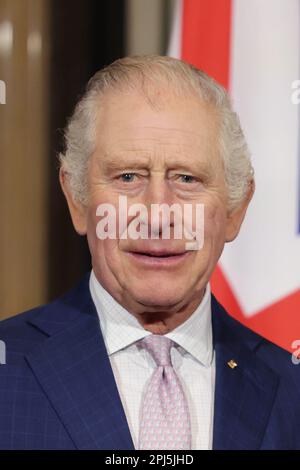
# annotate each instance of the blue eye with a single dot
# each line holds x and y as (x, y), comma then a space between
(127, 177)
(187, 178)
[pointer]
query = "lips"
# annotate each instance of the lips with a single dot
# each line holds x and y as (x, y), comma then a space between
(158, 258)
(158, 253)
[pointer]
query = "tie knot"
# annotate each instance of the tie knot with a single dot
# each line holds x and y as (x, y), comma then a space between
(159, 347)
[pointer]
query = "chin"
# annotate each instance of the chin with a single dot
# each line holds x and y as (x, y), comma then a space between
(158, 296)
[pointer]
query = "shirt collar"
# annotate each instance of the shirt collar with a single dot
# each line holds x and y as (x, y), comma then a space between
(120, 328)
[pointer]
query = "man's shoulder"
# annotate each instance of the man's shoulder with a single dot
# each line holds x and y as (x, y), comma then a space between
(19, 325)
(273, 355)
(22, 331)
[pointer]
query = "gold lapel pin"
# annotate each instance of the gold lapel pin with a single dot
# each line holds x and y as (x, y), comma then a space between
(232, 364)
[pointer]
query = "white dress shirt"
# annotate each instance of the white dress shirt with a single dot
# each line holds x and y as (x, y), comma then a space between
(192, 359)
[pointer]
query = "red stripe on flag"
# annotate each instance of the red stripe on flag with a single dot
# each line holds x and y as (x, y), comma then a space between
(275, 322)
(278, 322)
(206, 36)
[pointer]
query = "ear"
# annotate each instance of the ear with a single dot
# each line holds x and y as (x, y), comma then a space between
(236, 216)
(77, 209)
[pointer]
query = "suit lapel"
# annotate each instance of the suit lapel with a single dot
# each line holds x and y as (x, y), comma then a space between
(244, 395)
(74, 371)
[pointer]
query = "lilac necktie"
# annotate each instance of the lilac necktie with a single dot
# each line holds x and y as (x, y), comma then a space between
(165, 420)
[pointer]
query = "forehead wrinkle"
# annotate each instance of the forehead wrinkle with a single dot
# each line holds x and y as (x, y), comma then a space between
(168, 129)
(119, 160)
(165, 136)
(145, 145)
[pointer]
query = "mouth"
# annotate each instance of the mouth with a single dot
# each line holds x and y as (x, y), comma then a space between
(159, 258)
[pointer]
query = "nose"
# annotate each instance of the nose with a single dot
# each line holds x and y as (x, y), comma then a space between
(158, 190)
(158, 196)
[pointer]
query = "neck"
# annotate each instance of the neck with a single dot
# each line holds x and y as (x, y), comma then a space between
(160, 322)
(157, 319)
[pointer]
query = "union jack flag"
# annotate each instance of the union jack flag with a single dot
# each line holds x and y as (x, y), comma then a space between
(252, 48)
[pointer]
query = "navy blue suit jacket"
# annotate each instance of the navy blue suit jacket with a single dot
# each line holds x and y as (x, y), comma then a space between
(57, 389)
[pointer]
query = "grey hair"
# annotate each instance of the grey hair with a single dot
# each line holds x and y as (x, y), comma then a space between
(146, 72)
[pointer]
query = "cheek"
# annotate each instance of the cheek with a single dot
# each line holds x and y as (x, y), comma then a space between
(97, 246)
(92, 221)
(106, 251)
(215, 223)
(214, 239)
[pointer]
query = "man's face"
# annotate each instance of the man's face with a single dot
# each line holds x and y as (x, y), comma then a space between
(154, 155)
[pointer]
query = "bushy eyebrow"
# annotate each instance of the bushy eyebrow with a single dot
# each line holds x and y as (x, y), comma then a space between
(118, 162)
(198, 166)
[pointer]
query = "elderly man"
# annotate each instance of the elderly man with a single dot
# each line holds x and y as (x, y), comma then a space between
(140, 355)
